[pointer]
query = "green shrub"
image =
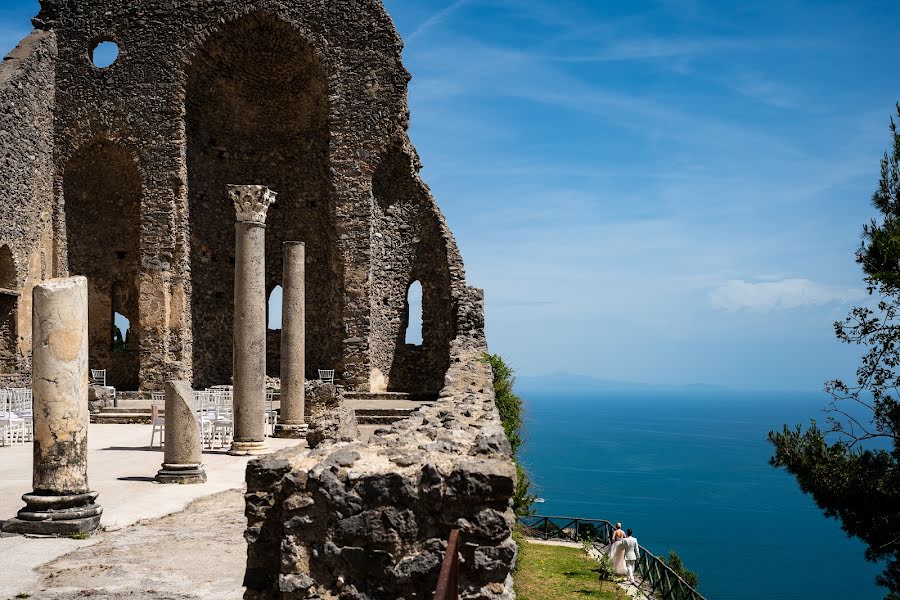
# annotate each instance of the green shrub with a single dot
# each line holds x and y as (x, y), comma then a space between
(605, 569)
(521, 546)
(511, 409)
(676, 564)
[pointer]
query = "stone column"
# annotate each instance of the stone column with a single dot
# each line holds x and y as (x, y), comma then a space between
(292, 421)
(251, 203)
(183, 450)
(61, 503)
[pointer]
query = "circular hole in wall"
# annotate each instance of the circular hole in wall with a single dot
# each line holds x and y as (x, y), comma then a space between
(104, 54)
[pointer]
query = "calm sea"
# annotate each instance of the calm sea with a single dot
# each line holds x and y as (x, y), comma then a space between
(688, 471)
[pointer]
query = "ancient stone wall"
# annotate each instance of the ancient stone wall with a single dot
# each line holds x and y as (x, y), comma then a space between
(26, 193)
(411, 244)
(371, 521)
(303, 96)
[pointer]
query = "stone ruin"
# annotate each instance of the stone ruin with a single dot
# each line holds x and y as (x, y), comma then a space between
(118, 173)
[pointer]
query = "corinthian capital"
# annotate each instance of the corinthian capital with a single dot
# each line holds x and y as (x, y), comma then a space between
(251, 202)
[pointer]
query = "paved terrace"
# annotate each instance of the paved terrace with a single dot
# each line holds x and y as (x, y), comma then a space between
(121, 468)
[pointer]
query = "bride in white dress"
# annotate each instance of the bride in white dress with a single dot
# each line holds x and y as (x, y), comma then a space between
(617, 551)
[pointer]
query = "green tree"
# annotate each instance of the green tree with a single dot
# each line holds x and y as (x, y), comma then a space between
(511, 408)
(852, 467)
(120, 344)
(676, 564)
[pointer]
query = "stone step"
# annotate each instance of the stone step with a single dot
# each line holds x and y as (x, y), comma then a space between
(112, 410)
(383, 412)
(124, 418)
(376, 395)
(377, 420)
(390, 396)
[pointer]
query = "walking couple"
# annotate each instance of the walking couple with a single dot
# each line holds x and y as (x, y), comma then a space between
(624, 552)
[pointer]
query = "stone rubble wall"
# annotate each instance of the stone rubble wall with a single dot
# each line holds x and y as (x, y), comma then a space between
(27, 84)
(330, 419)
(179, 114)
(371, 521)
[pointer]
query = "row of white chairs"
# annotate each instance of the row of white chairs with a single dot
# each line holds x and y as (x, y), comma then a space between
(16, 416)
(215, 415)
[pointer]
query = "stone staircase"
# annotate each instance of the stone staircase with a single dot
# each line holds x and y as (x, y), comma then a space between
(130, 408)
(386, 407)
(371, 408)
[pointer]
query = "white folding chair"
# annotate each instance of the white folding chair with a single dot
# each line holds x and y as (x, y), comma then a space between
(98, 377)
(326, 375)
(206, 417)
(158, 421)
(271, 414)
(224, 420)
(12, 425)
(22, 405)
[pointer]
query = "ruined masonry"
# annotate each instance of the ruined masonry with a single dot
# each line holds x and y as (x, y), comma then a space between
(118, 173)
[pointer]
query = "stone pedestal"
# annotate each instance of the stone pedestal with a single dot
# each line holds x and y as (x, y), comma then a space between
(292, 421)
(251, 203)
(61, 503)
(183, 448)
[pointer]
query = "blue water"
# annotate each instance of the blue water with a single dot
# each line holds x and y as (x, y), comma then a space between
(688, 471)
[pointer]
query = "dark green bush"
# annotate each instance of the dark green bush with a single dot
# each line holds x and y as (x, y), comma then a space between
(511, 408)
(676, 564)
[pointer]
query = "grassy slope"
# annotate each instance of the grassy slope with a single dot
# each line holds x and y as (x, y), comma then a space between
(552, 572)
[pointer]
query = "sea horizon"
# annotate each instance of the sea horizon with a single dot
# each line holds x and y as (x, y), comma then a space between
(688, 471)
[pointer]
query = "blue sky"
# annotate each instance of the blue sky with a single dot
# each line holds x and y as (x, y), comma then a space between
(668, 192)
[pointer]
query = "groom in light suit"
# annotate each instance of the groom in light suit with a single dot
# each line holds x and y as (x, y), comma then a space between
(632, 554)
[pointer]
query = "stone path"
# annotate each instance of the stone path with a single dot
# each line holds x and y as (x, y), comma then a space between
(121, 468)
(199, 553)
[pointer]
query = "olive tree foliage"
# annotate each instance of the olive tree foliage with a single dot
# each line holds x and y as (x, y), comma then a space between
(851, 467)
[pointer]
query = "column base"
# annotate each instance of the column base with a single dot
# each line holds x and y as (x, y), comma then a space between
(183, 474)
(251, 448)
(291, 431)
(65, 515)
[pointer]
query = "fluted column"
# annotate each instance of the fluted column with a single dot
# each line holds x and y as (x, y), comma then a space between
(292, 422)
(251, 203)
(61, 503)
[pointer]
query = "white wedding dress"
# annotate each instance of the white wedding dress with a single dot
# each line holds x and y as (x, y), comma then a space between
(617, 556)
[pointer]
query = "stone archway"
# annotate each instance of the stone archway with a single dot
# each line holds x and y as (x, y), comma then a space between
(102, 191)
(257, 113)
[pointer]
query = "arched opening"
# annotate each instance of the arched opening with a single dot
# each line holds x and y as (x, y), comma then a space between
(414, 314)
(273, 335)
(257, 113)
(414, 322)
(274, 308)
(102, 190)
(9, 302)
(121, 327)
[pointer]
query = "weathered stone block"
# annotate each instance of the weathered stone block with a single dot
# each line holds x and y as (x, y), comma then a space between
(100, 398)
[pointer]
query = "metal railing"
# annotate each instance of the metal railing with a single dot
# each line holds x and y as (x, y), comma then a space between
(448, 581)
(656, 576)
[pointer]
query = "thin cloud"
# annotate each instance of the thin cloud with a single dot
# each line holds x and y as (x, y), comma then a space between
(437, 18)
(786, 294)
(656, 48)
